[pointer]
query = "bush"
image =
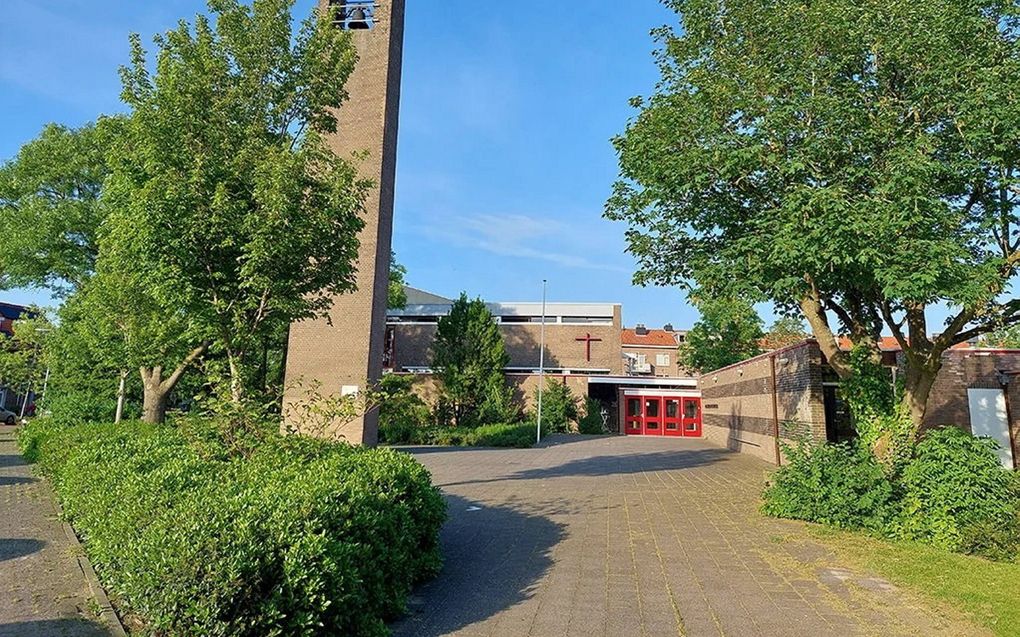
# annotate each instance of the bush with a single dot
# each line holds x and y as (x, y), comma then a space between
(520, 435)
(559, 407)
(300, 537)
(402, 413)
(591, 423)
(837, 484)
(498, 406)
(955, 491)
(80, 407)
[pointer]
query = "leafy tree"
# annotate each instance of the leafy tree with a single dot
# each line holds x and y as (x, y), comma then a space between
(50, 207)
(1007, 338)
(25, 357)
(855, 161)
(786, 330)
(591, 422)
(728, 332)
(559, 406)
(224, 192)
(469, 356)
(396, 298)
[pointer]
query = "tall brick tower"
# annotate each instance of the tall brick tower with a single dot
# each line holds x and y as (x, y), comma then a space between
(344, 355)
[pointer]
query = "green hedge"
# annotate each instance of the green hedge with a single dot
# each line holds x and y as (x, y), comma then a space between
(295, 537)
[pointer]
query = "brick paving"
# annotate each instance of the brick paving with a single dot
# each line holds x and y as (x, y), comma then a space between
(43, 590)
(637, 536)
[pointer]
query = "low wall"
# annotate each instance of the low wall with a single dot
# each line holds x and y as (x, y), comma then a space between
(737, 401)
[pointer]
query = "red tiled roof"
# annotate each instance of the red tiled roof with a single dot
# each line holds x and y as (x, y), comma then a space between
(890, 344)
(654, 338)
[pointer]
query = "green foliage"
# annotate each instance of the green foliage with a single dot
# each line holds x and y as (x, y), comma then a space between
(786, 330)
(591, 422)
(402, 414)
(559, 407)
(1005, 337)
(224, 196)
(299, 537)
(520, 435)
(50, 206)
(25, 357)
(728, 332)
(837, 484)
(469, 355)
(955, 486)
(396, 296)
(855, 161)
(499, 405)
(81, 407)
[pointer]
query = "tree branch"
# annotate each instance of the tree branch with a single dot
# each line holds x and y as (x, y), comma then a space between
(193, 355)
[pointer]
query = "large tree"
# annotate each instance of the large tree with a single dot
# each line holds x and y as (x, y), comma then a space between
(469, 355)
(853, 160)
(728, 331)
(224, 188)
(50, 207)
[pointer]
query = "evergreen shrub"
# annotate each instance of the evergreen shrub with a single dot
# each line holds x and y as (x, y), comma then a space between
(296, 537)
(591, 422)
(837, 484)
(957, 495)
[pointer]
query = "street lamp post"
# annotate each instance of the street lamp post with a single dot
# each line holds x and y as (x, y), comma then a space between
(541, 368)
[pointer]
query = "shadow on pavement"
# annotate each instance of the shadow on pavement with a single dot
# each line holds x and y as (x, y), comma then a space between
(13, 481)
(72, 627)
(13, 548)
(494, 557)
(627, 463)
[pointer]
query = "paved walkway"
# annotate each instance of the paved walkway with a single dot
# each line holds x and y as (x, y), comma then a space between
(43, 590)
(636, 536)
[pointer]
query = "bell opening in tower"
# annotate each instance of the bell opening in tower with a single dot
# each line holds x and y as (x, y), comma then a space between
(354, 15)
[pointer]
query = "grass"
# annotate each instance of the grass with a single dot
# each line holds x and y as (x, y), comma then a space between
(988, 593)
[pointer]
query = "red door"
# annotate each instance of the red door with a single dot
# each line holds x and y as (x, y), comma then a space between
(691, 417)
(632, 417)
(671, 420)
(652, 415)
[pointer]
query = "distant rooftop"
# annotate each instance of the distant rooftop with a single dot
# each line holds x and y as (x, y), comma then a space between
(421, 297)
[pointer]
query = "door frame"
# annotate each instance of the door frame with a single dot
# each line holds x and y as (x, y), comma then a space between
(636, 424)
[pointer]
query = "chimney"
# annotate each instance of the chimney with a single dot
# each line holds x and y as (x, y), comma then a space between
(668, 327)
(641, 330)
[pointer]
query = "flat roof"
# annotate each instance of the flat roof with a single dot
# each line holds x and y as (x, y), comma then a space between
(657, 381)
(591, 310)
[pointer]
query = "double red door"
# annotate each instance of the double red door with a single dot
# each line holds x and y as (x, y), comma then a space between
(662, 416)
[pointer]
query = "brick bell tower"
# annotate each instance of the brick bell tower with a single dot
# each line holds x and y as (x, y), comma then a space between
(344, 355)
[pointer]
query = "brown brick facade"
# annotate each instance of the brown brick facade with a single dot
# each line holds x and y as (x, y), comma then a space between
(344, 353)
(737, 401)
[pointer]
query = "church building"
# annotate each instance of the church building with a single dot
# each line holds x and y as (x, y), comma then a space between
(633, 373)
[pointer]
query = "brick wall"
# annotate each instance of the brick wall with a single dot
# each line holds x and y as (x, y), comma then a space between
(737, 401)
(562, 349)
(650, 353)
(346, 350)
(963, 369)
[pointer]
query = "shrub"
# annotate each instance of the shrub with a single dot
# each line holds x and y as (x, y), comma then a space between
(402, 413)
(559, 407)
(837, 484)
(591, 423)
(520, 435)
(81, 407)
(954, 489)
(300, 537)
(498, 406)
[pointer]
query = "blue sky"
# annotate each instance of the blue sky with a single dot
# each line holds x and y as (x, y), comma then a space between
(504, 153)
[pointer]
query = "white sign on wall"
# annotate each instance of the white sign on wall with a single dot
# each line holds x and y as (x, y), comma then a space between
(988, 418)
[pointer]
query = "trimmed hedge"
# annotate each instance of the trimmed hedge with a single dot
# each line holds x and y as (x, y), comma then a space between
(295, 537)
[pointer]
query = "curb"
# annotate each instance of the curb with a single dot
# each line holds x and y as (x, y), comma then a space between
(106, 612)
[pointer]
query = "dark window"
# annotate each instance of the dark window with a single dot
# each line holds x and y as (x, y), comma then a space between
(672, 408)
(690, 409)
(633, 407)
(652, 408)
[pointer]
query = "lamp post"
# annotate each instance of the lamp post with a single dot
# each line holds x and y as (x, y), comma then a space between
(541, 368)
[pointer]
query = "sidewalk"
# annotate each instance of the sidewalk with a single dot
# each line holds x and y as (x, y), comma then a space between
(43, 589)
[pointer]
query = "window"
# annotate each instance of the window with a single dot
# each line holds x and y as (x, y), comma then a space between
(690, 409)
(662, 360)
(672, 408)
(641, 359)
(633, 407)
(652, 408)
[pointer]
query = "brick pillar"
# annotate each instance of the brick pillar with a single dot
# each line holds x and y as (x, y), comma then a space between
(344, 354)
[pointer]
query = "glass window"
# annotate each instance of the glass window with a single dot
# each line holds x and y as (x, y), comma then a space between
(641, 359)
(690, 409)
(652, 408)
(633, 407)
(672, 408)
(651, 424)
(670, 425)
(662, 360)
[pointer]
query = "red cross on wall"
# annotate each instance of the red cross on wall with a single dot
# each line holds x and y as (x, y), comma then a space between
(588, 340)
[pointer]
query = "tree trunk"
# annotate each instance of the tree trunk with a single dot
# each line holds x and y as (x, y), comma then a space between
(917, 383)
(236, 383)
(156, 390)
(154, 395)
